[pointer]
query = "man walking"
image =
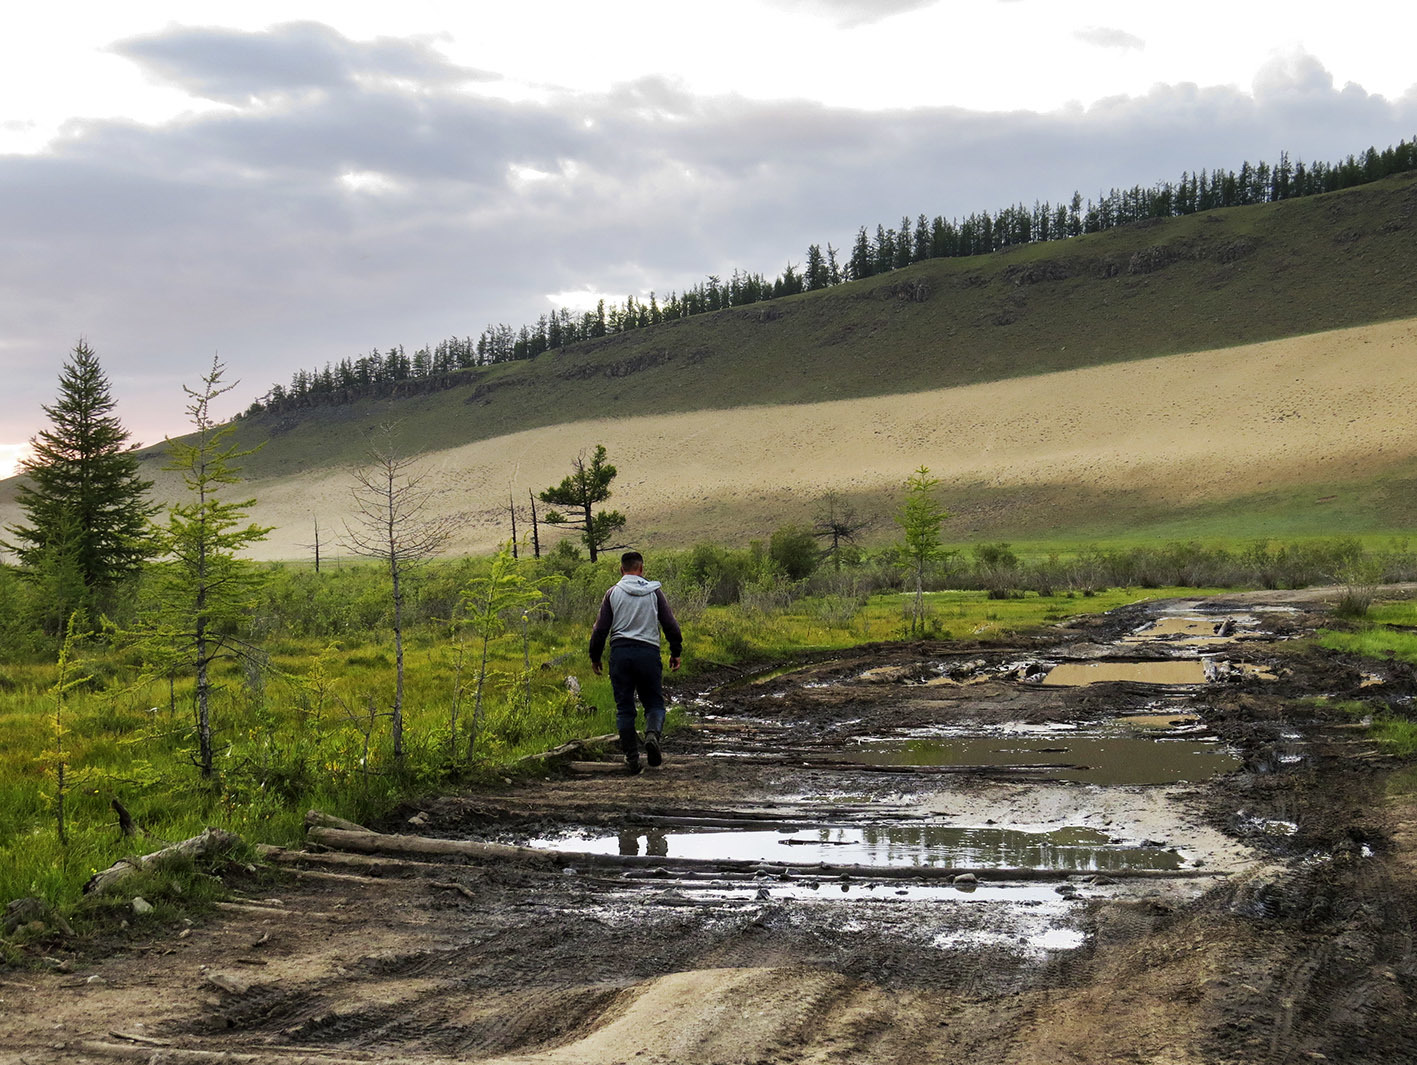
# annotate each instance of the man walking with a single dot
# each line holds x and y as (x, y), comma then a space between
(631, 615)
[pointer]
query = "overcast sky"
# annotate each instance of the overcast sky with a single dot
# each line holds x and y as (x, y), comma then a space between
(286, 183)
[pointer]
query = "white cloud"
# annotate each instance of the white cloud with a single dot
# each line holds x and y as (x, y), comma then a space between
(1105, 37)
(847, 13)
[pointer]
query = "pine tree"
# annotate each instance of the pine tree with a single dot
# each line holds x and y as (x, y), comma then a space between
(586, 485)
(85, 502)
(816, 275)
(863, 259)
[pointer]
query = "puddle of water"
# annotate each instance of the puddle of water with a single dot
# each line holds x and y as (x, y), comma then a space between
(1165, 671)
(1026, 728)
(1034, 896)
(1191, 628)
(1045, 941)
(1269, 826)
(984, 847)
(886, 674)
(774, 674)
(1157, 721)
(1104, 757)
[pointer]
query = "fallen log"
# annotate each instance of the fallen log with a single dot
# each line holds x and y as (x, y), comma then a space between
(320, 819)
(566, 750)
(210, 841)
(378, 843)
(615, 768)
(366, 842)
(376, 867)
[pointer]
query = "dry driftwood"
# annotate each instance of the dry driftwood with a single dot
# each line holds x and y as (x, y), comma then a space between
(378, 843)
(210, 841)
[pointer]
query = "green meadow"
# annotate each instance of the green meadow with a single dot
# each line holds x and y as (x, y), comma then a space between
(304, 723)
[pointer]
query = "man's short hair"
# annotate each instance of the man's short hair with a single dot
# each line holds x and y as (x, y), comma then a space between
(632, 560)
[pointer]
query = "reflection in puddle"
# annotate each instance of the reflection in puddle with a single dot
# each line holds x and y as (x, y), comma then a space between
(1103, 757)
(633, 841)
(1065, 849)
(1039, 897)
(1165, 671)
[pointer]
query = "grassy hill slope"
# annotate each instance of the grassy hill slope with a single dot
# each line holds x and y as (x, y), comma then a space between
(1207, 281)
(1299, 436)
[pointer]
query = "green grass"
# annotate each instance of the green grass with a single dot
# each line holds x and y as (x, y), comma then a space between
(1392, 728)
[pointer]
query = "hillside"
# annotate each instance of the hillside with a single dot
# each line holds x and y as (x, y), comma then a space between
(1291, 437)
(1197, 283)
(1243, 372)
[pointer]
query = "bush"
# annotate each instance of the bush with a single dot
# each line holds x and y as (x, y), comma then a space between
(793, 551)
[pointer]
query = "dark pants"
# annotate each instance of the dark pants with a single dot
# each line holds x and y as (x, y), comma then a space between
(636, 669)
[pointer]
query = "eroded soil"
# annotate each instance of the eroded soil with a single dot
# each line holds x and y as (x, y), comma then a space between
(1208, 871)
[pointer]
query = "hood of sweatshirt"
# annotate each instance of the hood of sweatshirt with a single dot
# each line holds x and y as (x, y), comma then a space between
(637, 585)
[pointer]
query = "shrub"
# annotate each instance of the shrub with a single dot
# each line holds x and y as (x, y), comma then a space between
(793, 551)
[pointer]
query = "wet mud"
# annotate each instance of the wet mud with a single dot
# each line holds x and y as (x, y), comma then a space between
(904, 853)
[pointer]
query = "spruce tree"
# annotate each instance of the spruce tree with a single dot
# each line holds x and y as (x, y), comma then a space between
(86, 504)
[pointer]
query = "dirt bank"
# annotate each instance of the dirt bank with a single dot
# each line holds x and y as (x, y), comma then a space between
(903, 854)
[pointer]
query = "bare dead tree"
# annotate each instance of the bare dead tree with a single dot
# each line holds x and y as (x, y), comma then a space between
(393, 522)
(837, 521)
(314, 546)
(512, 510)
(535, 532)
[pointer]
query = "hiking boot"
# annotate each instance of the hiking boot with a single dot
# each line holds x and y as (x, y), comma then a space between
(652, 750)
(630, 744)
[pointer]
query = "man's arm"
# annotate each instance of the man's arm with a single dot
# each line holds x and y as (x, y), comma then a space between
(670, 625)
(600, 633)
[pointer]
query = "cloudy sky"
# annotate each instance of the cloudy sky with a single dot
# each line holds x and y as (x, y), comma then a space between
(286, 183)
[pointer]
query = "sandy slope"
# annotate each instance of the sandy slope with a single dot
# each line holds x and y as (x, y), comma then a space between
(1207, 425)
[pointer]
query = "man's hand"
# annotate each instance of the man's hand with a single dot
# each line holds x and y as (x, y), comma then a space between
(595, 668)
(673, 664)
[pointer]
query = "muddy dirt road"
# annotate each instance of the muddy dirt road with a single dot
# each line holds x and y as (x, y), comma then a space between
(1130, 840)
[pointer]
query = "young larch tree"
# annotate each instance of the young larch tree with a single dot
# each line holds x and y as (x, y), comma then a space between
(203, 589)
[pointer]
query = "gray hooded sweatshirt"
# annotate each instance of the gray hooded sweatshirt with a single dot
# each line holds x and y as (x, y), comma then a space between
(635, 609)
